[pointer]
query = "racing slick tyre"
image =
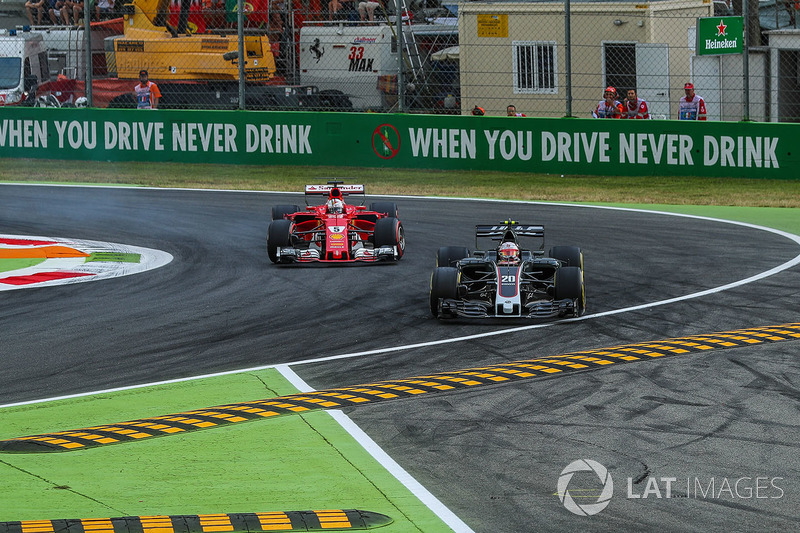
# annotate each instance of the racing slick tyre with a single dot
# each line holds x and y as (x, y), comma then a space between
(569, 255)
(569, 285)
(389, 232)
(279, 211)
(449, 255)
(444, 284)
(387, 208)
(279, 235)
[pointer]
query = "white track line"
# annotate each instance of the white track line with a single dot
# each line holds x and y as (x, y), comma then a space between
(399, 473)
(371, 447)
(784, 266)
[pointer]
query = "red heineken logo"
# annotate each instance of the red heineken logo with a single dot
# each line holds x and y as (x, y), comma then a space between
(721, 28)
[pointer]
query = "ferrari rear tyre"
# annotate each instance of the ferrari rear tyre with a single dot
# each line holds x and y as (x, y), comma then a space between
(449, 255)
(569, 255)
(279, 235)
(279, 211)
(389, 232)
(444, 284)
(386, 208)
(569, 285)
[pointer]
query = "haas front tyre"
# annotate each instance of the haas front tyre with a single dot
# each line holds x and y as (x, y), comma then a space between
(389, 232)
(569, 255)
(450, 255)
(279, 235)
(444, 284)
(569, 285)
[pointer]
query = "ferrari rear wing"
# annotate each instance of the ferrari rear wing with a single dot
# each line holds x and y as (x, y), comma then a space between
(326, 189)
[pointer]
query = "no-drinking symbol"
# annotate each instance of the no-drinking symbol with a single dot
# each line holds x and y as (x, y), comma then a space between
(386, 141)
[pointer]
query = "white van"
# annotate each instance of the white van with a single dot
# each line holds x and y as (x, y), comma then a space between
(351, 59)
(23, 64)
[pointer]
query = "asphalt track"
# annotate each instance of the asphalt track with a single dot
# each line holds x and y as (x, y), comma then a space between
(492, 455)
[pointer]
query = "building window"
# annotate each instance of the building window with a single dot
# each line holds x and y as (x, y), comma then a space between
(535, 67)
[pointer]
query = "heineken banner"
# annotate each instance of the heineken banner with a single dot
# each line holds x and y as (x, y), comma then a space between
(542, 145)
(720, 35)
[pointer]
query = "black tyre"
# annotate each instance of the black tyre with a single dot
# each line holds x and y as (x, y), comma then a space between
(444, 284)
(123, 101)
(334, 100)
(569, 285)
(279, 235)
(389, 232)
(569, 255)
(279, 211)
(387, 208)
(448, 256)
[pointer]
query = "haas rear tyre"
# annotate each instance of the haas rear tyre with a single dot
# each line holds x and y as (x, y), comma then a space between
(569, 285)
(279, 211)
(569, 255)
(279, 235)
(449, 255)
(444, 284)
(389, 209)
(389, 232)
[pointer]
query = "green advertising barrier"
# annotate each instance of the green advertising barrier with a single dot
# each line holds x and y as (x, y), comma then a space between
(545, 145)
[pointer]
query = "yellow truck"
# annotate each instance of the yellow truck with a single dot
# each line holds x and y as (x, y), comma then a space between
(192, 70)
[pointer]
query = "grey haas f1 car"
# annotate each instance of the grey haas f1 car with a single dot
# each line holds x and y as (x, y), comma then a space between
(335, 231)
(508, 281)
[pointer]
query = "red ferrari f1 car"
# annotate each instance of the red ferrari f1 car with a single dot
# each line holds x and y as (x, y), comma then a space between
(335, 231)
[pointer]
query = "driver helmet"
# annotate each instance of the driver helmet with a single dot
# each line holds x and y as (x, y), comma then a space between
(335, 206)
(82, 102)
(508, 254)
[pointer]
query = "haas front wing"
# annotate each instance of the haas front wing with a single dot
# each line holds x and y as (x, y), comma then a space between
(485, 289)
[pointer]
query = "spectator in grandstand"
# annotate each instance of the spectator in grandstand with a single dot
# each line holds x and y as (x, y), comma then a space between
(691, 106)
(55, 10)
(511, 111)
(609, 106)
(366, 10)
(35, 8)
(635, 107)
(67, 9)
(104, 9)
(213, 13)
(341, 9)
(77, 11)
(146, 91)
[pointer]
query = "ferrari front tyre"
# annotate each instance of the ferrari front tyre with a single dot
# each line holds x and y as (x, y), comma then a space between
(569, 255)
(444, 284)
(569, 285)
(388, 209)
(449, 255)
(279, 235)
(389, 232)
(279, 211)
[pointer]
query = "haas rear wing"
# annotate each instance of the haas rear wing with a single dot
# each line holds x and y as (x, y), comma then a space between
(510, 231)
(498, 231)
